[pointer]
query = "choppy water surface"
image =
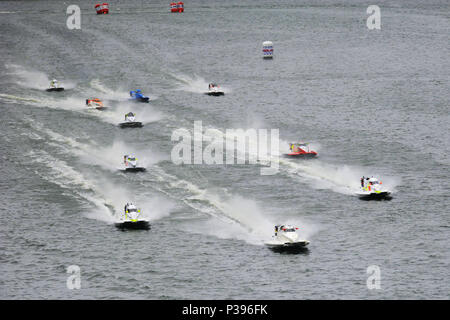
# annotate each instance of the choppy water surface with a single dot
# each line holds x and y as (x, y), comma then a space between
(371, 102)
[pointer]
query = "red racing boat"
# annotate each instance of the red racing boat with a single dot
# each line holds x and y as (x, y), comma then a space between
(300, 150)
(95, 103)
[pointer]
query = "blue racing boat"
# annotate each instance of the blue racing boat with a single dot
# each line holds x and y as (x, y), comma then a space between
(138, 96)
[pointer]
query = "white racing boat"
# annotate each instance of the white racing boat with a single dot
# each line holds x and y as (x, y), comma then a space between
(213, 90)
(54, 86)
(372, 189)
(130, 121)
(132, 219)
(286, 239)
(131, 164)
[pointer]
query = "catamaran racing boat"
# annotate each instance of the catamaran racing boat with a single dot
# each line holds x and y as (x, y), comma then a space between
(131, 164)
(137, 95)
(131, 219)
(286, 239)
(54, 86)
(300, 150)
(213, 90)
(372, 189)
(130, 122)
(95, 103)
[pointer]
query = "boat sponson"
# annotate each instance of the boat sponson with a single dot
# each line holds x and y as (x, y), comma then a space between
(218, 93)
(141, 224)
(137, 169)
(385, 195)
(131, 125)
(301, 155)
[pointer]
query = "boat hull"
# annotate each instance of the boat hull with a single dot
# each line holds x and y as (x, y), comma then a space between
(137, 169)
(54, 89)
(133, 225)
(289, 247)
(141, 99)
(305, 155)
(216, 94)
(385, 195)
(131, 125)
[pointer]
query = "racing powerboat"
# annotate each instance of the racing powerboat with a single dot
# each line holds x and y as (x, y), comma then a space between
(132, 219)
(213, 90)
(131, 164)
(286, 239)
(95, 103)
(300, 150)
(372, 189)
(130, 122)
(136, 95)
(54, 86)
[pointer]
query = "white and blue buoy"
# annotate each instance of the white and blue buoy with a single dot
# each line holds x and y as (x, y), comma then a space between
(267, 49)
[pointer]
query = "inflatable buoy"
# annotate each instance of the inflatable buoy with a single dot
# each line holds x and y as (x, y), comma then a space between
(99, 8)
(267, 49)
(180, 6)
(105, 8)
(173, 7)
(102, 8)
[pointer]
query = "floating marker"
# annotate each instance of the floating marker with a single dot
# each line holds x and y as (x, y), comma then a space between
(102, 8)
(177, 7)
(267, 49)
(180, 6)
